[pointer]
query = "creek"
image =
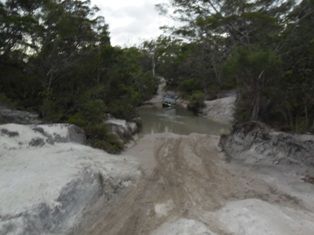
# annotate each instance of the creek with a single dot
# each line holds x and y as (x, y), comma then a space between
(177, 120)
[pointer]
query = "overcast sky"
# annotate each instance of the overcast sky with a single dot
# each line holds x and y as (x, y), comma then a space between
(131, 21)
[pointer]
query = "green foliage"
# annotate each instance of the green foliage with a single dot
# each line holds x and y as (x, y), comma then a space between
(129, 83)
(256, 71)
(262, 49)
(122, 108)
(6, 101)
(189, 86)
(99, 137)
(56, 59)
(78, 119)
(297, 82)
(196, 101)
(191, 66)
(51, 110)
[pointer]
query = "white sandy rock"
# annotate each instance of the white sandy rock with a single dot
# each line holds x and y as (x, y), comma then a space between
(183, 227)
(256, 144)
(20, 136)
(45, 187)
(220, 110)
(121, 128)
(8, 115)
(253, 216)
(162, 209)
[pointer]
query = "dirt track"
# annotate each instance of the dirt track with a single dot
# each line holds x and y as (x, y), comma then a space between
(184, 177)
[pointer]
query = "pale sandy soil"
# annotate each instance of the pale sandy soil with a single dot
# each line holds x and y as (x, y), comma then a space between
(47, 178)
(189, 188)
(220, 110)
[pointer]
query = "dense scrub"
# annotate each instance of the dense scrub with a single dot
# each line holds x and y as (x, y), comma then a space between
(56, 59)
(264, 49)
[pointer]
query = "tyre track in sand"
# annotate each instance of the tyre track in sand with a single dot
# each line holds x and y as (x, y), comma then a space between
(190, 179)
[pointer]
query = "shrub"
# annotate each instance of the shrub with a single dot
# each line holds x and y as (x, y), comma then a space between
(6, 101)
(98, 136)
(189, 86)
(196, 102)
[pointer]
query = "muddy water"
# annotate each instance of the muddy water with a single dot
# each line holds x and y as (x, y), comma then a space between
(177, 120)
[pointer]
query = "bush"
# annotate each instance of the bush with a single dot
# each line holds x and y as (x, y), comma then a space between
(256, 71)
(98, 136)
(196, 102)
(50, 110)
(4, 100)
(78, 119)
(189, 86)
(122, 109)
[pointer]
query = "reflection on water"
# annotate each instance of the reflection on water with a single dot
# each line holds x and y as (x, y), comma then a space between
(177, 120)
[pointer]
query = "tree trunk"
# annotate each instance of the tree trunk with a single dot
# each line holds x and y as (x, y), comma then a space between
(153, 65)
(256, 107)
(307, 121)
(257, 98)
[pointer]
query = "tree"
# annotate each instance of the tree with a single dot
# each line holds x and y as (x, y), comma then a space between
(297, 50)
(256, 71)
(56, 58)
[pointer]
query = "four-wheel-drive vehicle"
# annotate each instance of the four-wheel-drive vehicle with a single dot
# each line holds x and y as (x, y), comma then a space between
(169, 99)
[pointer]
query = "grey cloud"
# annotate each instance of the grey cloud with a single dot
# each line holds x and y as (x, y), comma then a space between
(130, 24)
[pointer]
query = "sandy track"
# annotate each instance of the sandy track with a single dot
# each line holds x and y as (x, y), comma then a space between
(184, 177)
